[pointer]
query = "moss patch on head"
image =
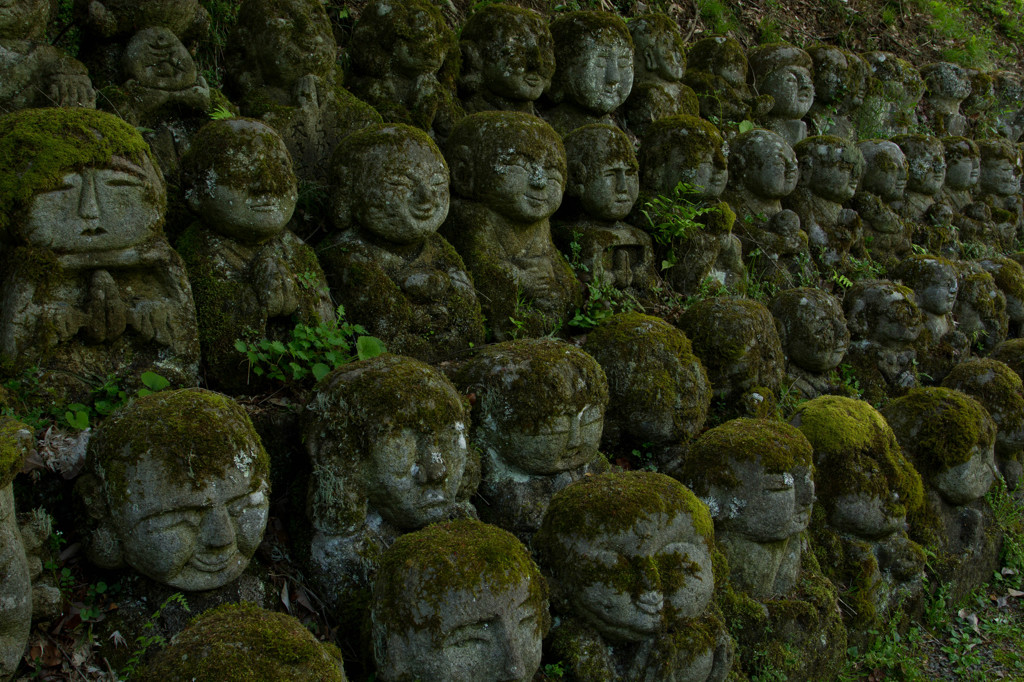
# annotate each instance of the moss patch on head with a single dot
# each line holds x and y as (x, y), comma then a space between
(657, 31)
(573, 31)
(239, 153)
(1008, 275)
(777, 446)
(764, 59)
(1010, 352)
(494, 28)
(717, 54)
(957, 148)
(38, 147)
(997, 387)
(384, 24)
(16, 439)
(688, 140)
(999, 149)
(237, 642)
(830, 150)
(938, 427)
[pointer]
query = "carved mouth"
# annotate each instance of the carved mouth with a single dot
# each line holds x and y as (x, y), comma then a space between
(650, 604)
(214, 564)
(423, 213)
(533, 80)
(93, 232)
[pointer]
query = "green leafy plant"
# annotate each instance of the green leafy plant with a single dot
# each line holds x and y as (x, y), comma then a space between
(220, 113)
(150, 637)
(674, 219)
(554, 670)
(109, 396)
(603, 301)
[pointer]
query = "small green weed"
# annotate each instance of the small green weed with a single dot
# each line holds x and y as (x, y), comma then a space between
(674, 219)
(149, 637)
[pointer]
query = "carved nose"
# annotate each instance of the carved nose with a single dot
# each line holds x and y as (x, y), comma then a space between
(538, 178)
(432, 469)
(611, 73)
(512, 665)
(217, 529)
(88, 206)
(422, 194)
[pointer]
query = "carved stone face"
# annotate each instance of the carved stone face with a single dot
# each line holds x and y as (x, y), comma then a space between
(937, 293)
(765, 507)
(287, 52)
(834, 180)
(963, 173)
(610, 190)
(927, 171)
(967, 482)
(864, 515)
(816, 337)
(521, 66)
(523, 189)
(186, 538)
(402, 197)
(664, 560)
(1000, 176)
(601, 78)
(421, 53)
(708, 177)
(23, 19)
(98, 208)
(413, 477)
(885, 171)
(157, 59)
(793, 90)
(563, 441)
(771, 169)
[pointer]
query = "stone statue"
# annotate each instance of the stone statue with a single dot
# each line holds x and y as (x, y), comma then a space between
(717, 69)
(840, 84)
(963, 171)
(16, 440)
(281, 69)
(508, 174)
(763, 170)
(593, 69)
(538, 414)
(91, 286)
(245, 641)
(405, 62)
(930, 221)
(387, 264)
(602, 187)
(251, 276)
(37, 74)
(814, 337)
(886, 233)
(1009, 277)
(894, 90)
(387, 438)
(629, 559)
(659, 65)
(508, 59)
(784, 72)
(999, 188)
(980, 310)
(443, 610)
(946, 86)
(830, 170)
(177, 488)
(1008, 91)
(659, 390)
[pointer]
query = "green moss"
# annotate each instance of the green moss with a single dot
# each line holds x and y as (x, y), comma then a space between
(494, 28)
(939, 427)
(717, 54)
(573, 32)
(585, 654)
(764, 59)
(687, 141)
(16, 439)
(242, 153)
(38, 147)
(956, 148)
(659, 31)
(1011, 353)
(830, 150)
(1008, 274)
(998, 149)
(243, 642)
(997, 387)
(383, 25)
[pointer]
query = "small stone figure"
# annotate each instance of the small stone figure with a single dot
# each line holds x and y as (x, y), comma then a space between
(602, 188)
(538, 416)
(963, 171)
(893, 93)
(659, 65)
(814, 337)
(930, 221)
(830, 170)
(91, 287)
(1008, 90)
(629, 555)
(1009, 277)
(980, 310)
(16, 440)
(593, 69)
(508, 59)
(404, 63)
(445, 610)
(886, 234)
(177, 489)
(840, 84)
(387, 264)
(999, 188)
(243, 641)
(946, 86)
(37, 74)
(508, 173)
(784, 72)
(716, 69)
(252, 277)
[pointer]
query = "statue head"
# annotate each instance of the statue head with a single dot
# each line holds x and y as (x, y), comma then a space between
(830, 167)
(388, 435)
(406, 38)
(660, 49)
(239, 179)
(1000, 167)
(840, 76)
(885, 169)
(935, 282)
(1008, 88)
(784, 72)
(603, 171)
(513, 163)
(762, 163)
(24, 19)
(883, 312)
(593, 60)
(926, 161)
(946, 85)
(460, 601)
(539, 404)
(391, 181)
(1000, 391)
(980, 309)
(629, 553)
(156, 58)
(508, 51)
(1009, 277)
(721, 56)
(77, 181)
(683, 149)
(963, 163)
(897, 79)
(281, 41)
(179, 488)
(812, 328)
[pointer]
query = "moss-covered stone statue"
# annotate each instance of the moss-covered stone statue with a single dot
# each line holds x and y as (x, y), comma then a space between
(886, 233)
(867, 490)
(90, 285)
(717, 70)
(281, 69)
(885, 325)
(1009, 277)
(980, 310)
(690, 151)
(830, 171)
(602, 187)
(763, 170)
(659, 390)
(658, 67)
(238, 642)
(894, 90)
(840, 84)
(784, 72)
(538, 414)
(37, 74)
(251, 276)
(177, 489)
(387, 264)
(405, 61)
(508, 173)
(593, 69)
(931, 221)
(458, 602)
(814, 337)
(1011, 353)
(999, 188)
(1008, 109)
(972, 218)
(736, 340)
(387, 438)
(16, 441)
(508, 59)
(629, 557)
(946, 85)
